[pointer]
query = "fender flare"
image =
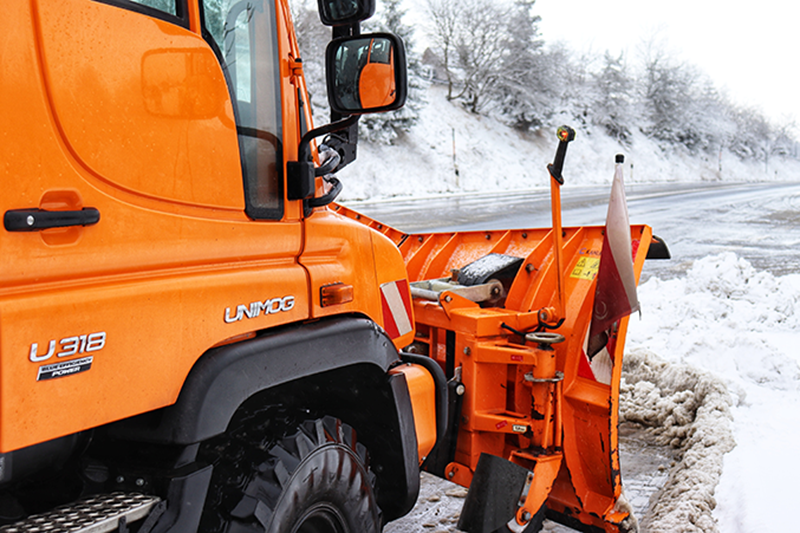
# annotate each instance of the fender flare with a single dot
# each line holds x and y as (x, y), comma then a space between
(224, 377)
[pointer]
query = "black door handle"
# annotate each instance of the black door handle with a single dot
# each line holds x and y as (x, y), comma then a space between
(37, 219)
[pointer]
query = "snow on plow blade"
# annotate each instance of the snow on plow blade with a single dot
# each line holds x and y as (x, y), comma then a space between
(533, 391)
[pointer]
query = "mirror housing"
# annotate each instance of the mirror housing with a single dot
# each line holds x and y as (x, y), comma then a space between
(366, 74)
(345, 12)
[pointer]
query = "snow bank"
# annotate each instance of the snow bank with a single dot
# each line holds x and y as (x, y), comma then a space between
(735, 325)
(687, 409)
(491, 156)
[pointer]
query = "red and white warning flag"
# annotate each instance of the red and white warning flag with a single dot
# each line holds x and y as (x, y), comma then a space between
(615, 293)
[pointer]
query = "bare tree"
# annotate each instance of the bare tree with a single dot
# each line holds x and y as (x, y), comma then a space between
(783, 142)
(445, 18)
(667, 92)
(612, 103)
(526, 90)
(481, 48)
(312, 39)
(385, 128)
(491, 54)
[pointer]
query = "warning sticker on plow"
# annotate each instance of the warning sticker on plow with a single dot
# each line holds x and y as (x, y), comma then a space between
(586, 268)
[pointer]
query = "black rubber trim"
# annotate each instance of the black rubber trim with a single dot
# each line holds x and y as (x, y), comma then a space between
(440, 381)
(223, 378)
(572, 522)
(37, 219)
(450, 353)
(658, 249)
(403, 498)
(181, 18)
(493, 495)
(185, 497)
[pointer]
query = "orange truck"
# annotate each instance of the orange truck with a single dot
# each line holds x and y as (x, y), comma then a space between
(195, 337)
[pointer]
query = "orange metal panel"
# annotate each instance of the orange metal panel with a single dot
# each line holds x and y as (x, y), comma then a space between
(153, 329)
(422, 389)
(141, 104)
(339, 250)
(171, 269)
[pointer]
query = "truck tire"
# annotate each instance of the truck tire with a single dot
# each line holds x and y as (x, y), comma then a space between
(314, 478)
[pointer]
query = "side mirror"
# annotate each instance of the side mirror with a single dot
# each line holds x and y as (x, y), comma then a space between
(366, 74)
(345, 12)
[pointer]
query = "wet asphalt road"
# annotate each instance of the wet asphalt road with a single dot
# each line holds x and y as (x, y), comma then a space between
(757, 221)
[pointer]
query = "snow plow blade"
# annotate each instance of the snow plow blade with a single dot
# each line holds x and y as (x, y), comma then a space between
(530, 394)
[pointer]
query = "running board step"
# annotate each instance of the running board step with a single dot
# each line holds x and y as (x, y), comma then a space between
(97, 514)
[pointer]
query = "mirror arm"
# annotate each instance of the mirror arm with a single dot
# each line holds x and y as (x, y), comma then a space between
(301, 172)
(304, 150)
(331, 162)
(345, 143)
(350, 30)
(336, 188)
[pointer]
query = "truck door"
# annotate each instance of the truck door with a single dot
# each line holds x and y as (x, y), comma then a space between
(154, 129)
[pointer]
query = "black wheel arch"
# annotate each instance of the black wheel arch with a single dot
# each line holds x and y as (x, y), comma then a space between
(335, 366)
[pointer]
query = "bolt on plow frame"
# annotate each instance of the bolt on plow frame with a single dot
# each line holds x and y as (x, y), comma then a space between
(532, 405)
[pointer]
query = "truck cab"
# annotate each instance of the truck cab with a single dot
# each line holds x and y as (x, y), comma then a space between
(169, 259)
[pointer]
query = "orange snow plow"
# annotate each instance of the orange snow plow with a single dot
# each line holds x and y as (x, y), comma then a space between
(532, 408)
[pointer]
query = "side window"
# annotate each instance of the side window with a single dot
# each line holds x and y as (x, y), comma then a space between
(167, 6)
(244, 35)
(380, 51)
(170, 10)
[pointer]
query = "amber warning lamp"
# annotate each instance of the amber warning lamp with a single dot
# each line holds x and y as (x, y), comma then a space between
(334, 294)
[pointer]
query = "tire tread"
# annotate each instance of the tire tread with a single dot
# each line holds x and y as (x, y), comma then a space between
(260, 490)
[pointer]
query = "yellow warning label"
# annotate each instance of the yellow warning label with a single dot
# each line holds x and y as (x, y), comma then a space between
(586, 268)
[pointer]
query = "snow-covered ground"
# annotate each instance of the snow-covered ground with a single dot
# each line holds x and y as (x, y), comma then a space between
(724, 322)
(713, 366)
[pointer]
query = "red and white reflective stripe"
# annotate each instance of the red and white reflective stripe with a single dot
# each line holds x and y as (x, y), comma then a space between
(396, 308)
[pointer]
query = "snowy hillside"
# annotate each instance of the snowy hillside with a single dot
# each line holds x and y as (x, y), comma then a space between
(491, 156)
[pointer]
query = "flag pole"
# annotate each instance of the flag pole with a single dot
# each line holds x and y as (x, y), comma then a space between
(565, 135)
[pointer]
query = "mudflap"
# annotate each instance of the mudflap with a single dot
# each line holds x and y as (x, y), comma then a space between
(500, 490)
(186, 495)
(494, 495)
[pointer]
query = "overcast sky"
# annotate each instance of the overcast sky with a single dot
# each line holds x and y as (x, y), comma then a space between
(748, 49)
